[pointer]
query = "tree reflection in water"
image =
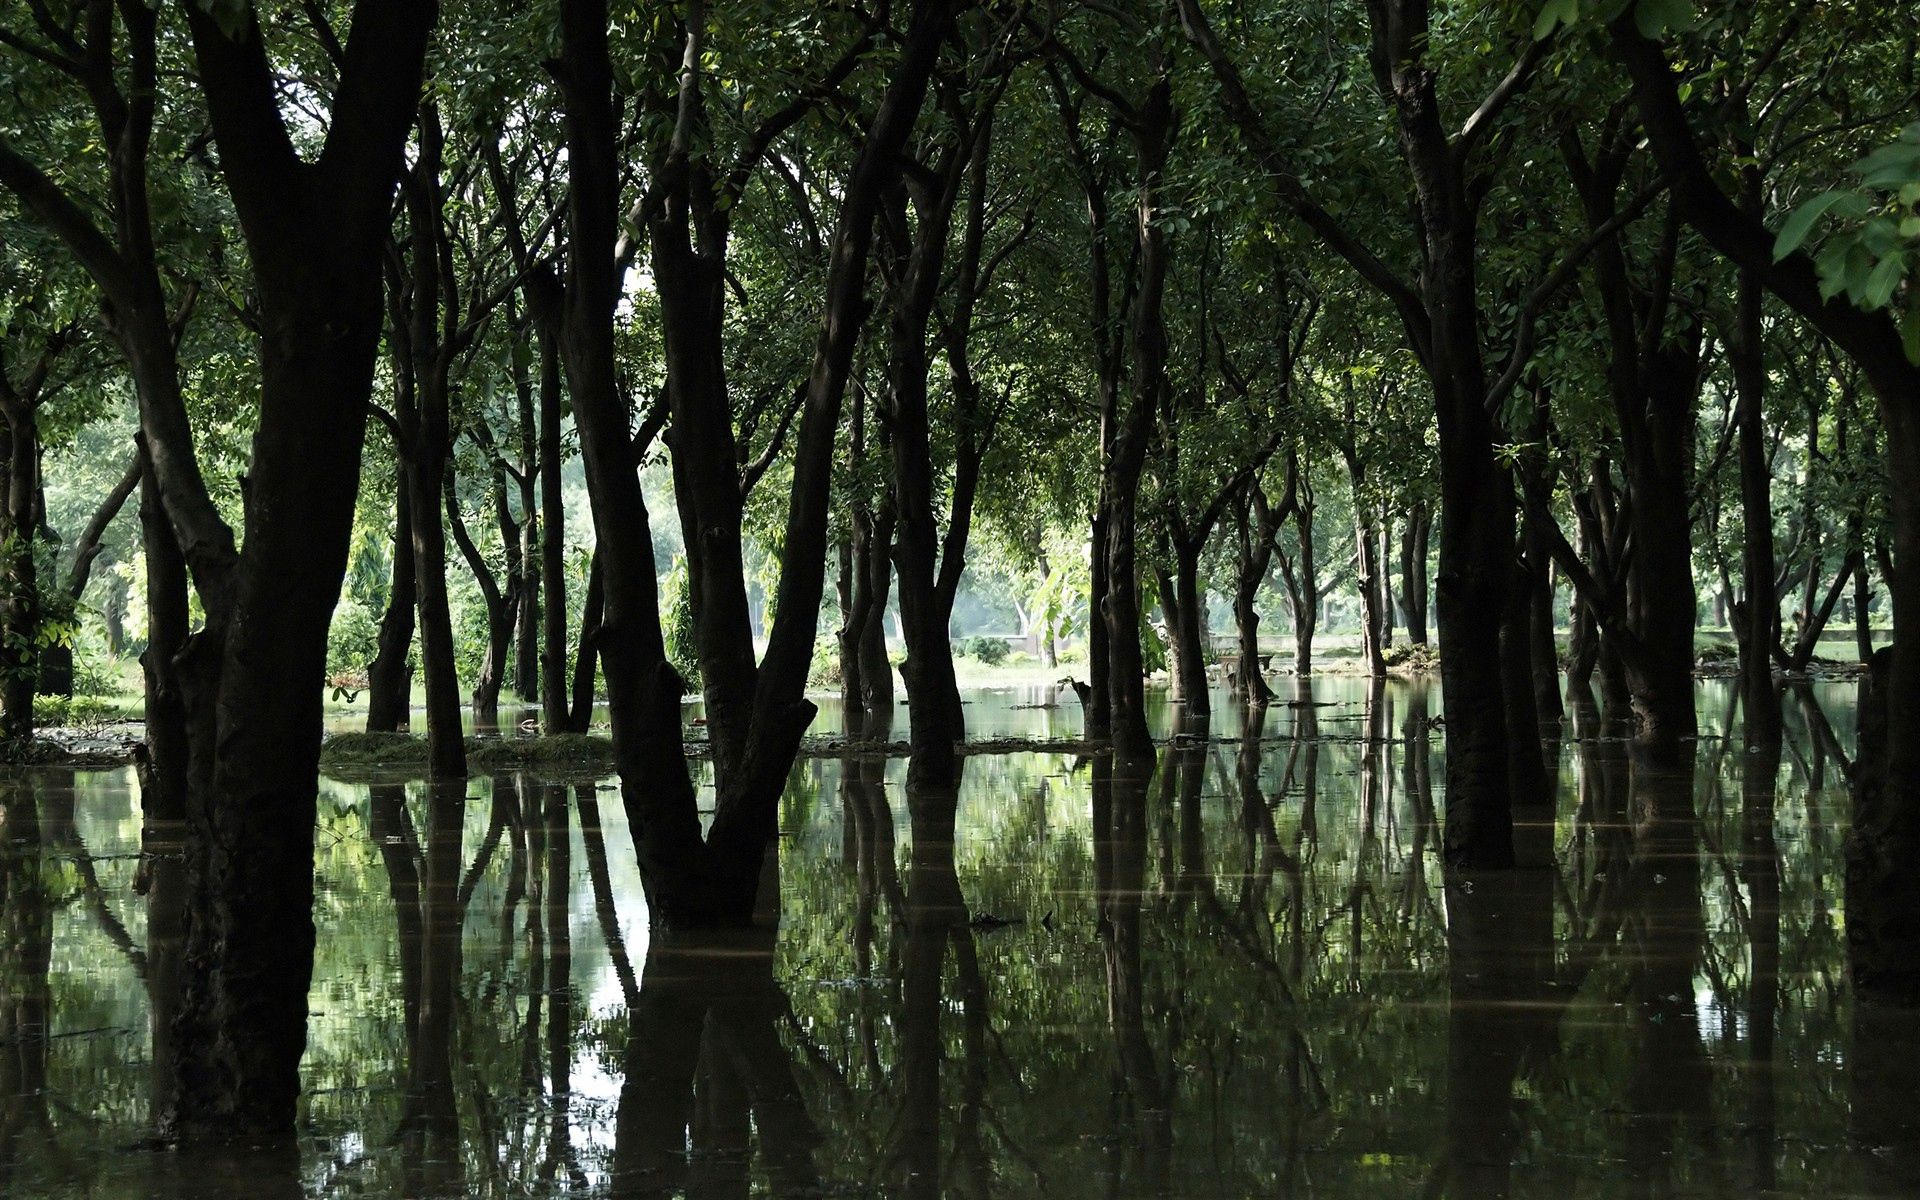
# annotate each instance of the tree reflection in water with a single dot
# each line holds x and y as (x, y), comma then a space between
(1231, 968)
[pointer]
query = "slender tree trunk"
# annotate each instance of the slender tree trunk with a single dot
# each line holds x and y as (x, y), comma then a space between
(1368, 585)
(163, 781)
(1413, 572)
(1543, 651)
(446, 751)
(1303, 588)
(526, 658)
(586, 659)
(876, 669)
(1153, 130)
(498, 604)
(1186, 625)
(1757, 612)
(20, 607)
(1661, 602)
(553, 540)
(390, 675)
(1383, 561)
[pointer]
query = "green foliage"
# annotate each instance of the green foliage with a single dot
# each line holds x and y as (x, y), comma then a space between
(1872, 245)
(352, 640)
(676, 623)
(823, 670)
(989, 650)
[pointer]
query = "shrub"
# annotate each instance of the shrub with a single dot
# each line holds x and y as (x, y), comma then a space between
(990, 650)
(824, 670)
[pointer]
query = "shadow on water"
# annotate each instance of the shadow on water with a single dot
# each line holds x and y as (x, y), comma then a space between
(1231, 968)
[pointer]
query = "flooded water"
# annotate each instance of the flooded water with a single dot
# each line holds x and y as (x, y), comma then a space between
(1242, 975)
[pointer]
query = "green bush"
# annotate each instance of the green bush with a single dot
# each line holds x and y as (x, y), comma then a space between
(990, 650)
(676, 620)
(352, 640)
(824, 671)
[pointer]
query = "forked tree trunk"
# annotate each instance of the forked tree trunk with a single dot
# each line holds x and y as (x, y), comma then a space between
(253, 679)
(757, 713)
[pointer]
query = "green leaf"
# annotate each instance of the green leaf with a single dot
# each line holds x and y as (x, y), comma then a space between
(1802, 221)
(1881, 283)
(1656, 17)
(1553, 14)
(1910, 329)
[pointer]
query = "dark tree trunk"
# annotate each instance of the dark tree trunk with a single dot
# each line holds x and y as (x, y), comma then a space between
(428, 335)
(1757, 612)
(913, 259)
(1257, 527)
(526, 561)
(553, 536)
(1874, 343)
(21, 607)
(854, 588)
(1367, 571)
(253, 680)
(876, 669)
(586, 659)
(1413, 572)
(390, 674)
(163, 780)
(1383, 561)
(1862, 610)
(1661, 603)
(756, 714)
(500, 611)
(1302, 578)
(1152, 125)
(1186, 627)
(1543, 652)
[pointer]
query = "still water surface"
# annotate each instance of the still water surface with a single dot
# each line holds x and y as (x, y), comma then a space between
(1243, 975)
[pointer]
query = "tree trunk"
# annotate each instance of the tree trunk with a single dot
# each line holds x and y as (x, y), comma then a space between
(527, 560)
(586, 658)
(253, 680)
(913, 260)
(1152, 129)
(163, 781)
(1757, 612)
(1661, 603)
(1543, 652)
(390, 674)
(553, 537)
(499, 608)
(757, 714)
(1368, 584)
(21, 610)
(1413, 572)
(1302, 578)
(1383, 562)
(876, 669)
(1185, 626)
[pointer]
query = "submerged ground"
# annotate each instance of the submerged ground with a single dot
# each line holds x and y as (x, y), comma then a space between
(1244, 975)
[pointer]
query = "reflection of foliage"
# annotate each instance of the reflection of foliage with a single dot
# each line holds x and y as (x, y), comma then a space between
(1293, 967)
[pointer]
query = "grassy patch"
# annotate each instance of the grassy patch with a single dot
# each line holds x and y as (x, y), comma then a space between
(355, 752)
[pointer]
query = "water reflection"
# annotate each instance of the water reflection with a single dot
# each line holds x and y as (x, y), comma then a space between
(1233, 968)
